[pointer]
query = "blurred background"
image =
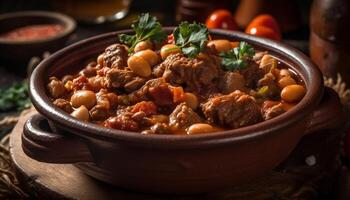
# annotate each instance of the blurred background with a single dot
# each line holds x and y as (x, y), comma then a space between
(109, 15)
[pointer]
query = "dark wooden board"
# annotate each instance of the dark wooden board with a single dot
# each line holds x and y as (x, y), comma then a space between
(57, 181)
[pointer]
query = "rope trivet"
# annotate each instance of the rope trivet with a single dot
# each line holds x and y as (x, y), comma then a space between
(9, 185)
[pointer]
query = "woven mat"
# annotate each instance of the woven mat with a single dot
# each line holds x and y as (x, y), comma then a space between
(288, 187)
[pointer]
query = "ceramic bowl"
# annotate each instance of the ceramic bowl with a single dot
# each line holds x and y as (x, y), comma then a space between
(21, 51)
(177, 164)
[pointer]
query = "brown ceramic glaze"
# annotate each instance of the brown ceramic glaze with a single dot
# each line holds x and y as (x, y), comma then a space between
(172, 163)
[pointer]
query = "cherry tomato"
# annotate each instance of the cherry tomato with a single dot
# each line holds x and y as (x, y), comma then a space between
(270, 27)
(264, 20)
(221, 19)
(263, 31)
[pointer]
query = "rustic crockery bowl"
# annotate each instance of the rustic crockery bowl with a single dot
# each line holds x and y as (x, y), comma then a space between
(177, 164)
(14, 50)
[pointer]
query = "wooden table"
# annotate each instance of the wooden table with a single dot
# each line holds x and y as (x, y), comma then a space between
(57, 181)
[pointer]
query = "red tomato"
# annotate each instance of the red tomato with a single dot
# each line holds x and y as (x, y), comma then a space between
(265, 20)
(221, 19)
(271, 29)
(263, 31)
(146, 106)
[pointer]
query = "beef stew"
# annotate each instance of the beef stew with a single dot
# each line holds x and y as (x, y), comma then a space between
(170, 88)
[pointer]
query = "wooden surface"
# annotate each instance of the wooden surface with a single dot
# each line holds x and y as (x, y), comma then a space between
(57, 181)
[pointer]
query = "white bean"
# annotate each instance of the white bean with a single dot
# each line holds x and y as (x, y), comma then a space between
(83, 97)
(200, 128)
(81, 113)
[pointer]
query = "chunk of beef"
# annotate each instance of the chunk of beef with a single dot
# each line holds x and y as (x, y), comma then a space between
(233, 110)
(105, 102)
(183, 116)
(123, 121)
(143, 93)
(252, 73)
(56, 88)
(115, 56)
(231, 81)
(195, 73)
(271, 109)
(162, 95)
(158, 70)
(117, 78)
(64, 105)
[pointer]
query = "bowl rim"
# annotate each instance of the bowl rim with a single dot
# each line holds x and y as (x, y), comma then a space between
(69, 25)
(311, 74)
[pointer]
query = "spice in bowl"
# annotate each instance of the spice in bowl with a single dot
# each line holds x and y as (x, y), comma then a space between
(33, 32)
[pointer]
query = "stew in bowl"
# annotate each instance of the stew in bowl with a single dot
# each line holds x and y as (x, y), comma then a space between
(152, 151)
(169, 88)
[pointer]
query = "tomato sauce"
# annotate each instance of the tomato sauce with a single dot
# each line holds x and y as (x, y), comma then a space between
(33, 32)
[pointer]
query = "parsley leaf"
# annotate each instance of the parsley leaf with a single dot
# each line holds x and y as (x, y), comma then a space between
(16, 96)
(191, 38)
(236, 59)
(146, 28)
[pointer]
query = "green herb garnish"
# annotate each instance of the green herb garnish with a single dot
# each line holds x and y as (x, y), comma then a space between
(15, 97)
(146, 28)
(236, 58)
(191, 38)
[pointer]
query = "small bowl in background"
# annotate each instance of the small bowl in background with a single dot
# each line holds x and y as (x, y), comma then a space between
(20, 51)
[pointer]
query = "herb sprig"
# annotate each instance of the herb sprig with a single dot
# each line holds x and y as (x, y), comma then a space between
(16, 96)
(236, 58)
(146, 28)
(191, 38)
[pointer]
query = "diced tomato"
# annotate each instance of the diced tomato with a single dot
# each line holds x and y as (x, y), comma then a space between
(178, 94)
(162, 95)
(221, 19)
(147, 107)
(80, 83)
